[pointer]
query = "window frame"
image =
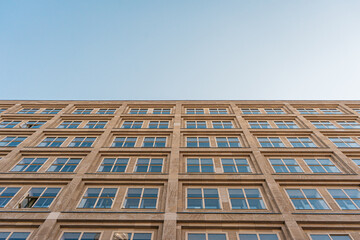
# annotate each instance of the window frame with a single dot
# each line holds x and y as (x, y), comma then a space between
(98, 198)
(141, 197)
(203, 198)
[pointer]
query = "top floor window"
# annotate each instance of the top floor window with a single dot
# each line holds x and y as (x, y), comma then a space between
(194, 111)
(51, 111)
(138, 111)
(81, 236)
(106, 111)
(218, 111)
(274, 111)
(83, 111)
(162, 111)
(331, 111)
(206, 236)
(250, 111)
(28, 111)
(307, 111)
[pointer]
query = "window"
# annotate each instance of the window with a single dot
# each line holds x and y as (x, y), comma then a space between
(28, 111)
(233, 165)
(286, 124)
(138, 111)
(306, 199)
(9, 124)
(307, 111)
(6, 194)
(64, 165)
(203, 165)
(132, 236)
(247, 198)
(285, 165)
(132, 124)
(330, 237)
(14, 235)
(96, 124)
(270, 142)
(344, 142)
(98, 198)
(203, 198)
(141, 198)
(218, 111)
(331, 111)
(197, 142)
(152, 165)
(258, 236)
(69, 124)
(113, 165)
(357, 162)
(11, 141)
(51, 111)
(195, 124)
(301, 142)
(228, 142)
(194, 111)
(321, 165)
(274, 111)
(159, 124)
(81, 236)
(250, 111)
(206, 236)
(82, 142)
(154, 142)
(33, 124)
(106, 111)
(259, 124)
(222, 124)
(52, 142)
(29, 165)
(357, 110)
(161, 111)
(349, 124)
(2, 110)
(124, 142)
(323, 124)
(39, 197)
(347, 199)
(83, 111)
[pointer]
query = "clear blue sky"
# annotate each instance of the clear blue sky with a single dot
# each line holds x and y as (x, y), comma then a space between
(188, 49)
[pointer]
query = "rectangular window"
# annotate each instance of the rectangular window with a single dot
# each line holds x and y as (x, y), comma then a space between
(250, 111)
(222, 124)
(247, 198)
(51, 111)
(258, 236)
(83, 111)
(150, 165)
(159, 124)
(33, 124)
(64, 165)
(132, 124)
(349, 124)
(2, 110)
(124, 142)
(218, 111)
(113, 165)
(197, 142)
(11, 141)
(132, 236)
(203, 198)
(14, 235)
(106, 111)
(286, 124)
(357, 162)
(206, 236)
(285, 165)
(6, 194)
(331, 111)
(347, 199)
(330, 237)
(28, 111)
(9, 124)
(344, 142)
(270, 142)
(29, 165)
(323, 124)
(138, 111)
(321, 165)
(274, 111)
(197, 165)
(81, 236)
(194, 111)
(306, 199)
(161, 111)
(357, 110)
(259, 124)
(195, 124)
(96, 124)
(141, 198)
(82, 142)
(307, 111)
(69, 124)
(301, 142)
(154, 142)
(98, 198)
(52, 142)
(39, 197)
(225, 142)
(235, 165)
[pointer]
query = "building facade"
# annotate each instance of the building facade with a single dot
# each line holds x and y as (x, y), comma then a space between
(192, 170)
